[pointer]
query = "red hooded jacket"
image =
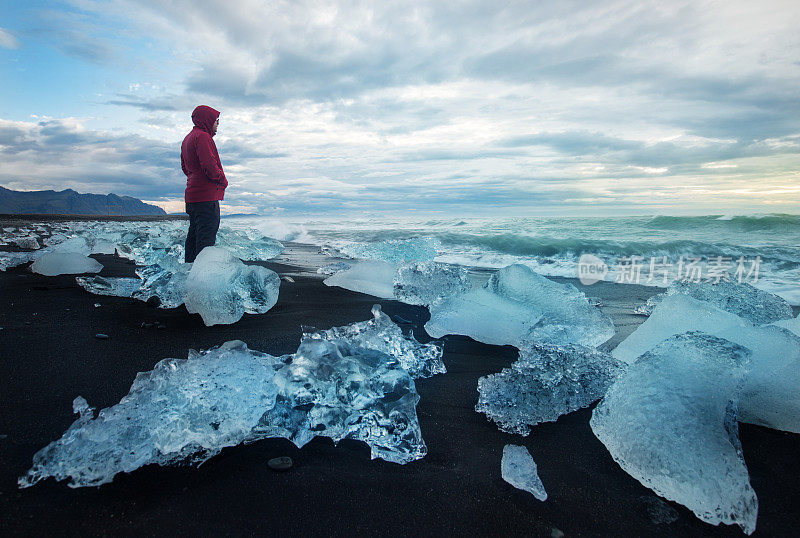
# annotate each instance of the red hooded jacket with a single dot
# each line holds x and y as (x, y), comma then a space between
(205, 179)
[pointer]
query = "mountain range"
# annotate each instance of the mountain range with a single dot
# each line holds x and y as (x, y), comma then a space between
(69, 202)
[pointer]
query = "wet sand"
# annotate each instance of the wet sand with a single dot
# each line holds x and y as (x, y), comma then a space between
(48, 356)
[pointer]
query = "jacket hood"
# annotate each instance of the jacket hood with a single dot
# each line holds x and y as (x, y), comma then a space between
(204, 118)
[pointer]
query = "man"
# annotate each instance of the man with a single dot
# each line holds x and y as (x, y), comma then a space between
(205, 181)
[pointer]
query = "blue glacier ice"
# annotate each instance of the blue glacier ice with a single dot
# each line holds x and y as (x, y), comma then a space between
(381, 334)
(332, 268)
(792, 324)
(111, 286)
(186, 410)
(28, 241)
(248, 245)
(221, 288)
(425, 283)
(165, 280)
(744, 300)
(518, 305)
(13, 259)
(367, 276)
(65, 263)
(547, 381)
(518, 469)
(670, 422)
(771, 395)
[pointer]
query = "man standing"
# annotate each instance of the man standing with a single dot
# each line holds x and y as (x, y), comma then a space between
(205, 181)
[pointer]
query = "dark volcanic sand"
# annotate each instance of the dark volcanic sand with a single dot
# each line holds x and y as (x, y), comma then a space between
(48, 356)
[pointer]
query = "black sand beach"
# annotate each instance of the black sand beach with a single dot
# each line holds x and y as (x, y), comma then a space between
(48, 356)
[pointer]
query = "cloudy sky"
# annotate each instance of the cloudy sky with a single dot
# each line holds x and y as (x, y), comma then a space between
(462, 107)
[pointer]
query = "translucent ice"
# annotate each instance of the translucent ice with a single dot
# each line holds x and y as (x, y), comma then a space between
(333, 268)
(742, 299)
(670, 422)
(790, 324)
(65, 263)
(113, 286)
(381, 334)
(248, 245)
(518, 305)
(519, 470)
(425, 283)
(547, 381)
(771, 397)
(221, 288)
(103, 247)
(29, 241)
(13, 259)
(75, 245)
(165, 280)
(370, 277)
(187, 410)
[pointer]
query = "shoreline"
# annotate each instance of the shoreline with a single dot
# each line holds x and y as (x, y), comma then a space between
(50, 356)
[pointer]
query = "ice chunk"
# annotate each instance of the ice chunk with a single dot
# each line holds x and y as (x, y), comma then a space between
(113, 286)
(519, 470)
(381, 334)
(333, 268)
(187, 410)
(425, 283)
(13, 259)
(547, 381)
(165, 280)
(75, 245)
(396, 250)
(103, 247)
(789, 324)
(30, 241)
(221, 288)
(370, 277)
(670, 422)
(518, 305)
(65, 263)
(755, 305)
(248, 245)
(771, 397)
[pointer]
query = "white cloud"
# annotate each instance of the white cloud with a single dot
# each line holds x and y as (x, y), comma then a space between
(7, 39)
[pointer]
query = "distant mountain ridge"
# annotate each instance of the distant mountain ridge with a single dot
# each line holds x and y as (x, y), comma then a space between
(69, 202)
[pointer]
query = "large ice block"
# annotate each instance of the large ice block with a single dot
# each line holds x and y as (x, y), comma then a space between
(111, 286)
(670, 422)
(771, 395)
(424, 283)
(369, 276)
(518, 305)
(248, 245)
(744, 300)
(547, 381)
(381, 334)
(518, 469)
(28, 241)
(221, 288)
(789, 324)
(165, 280)
(13, 259)
(186, 410)
(65, 263)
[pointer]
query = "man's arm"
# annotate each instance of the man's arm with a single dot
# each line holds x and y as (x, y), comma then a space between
(205, 154)
(183, 167)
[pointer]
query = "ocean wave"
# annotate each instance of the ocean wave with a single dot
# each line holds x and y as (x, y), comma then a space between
(771, 221)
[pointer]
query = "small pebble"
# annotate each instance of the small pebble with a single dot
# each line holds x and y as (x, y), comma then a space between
(287, 278)
(284, 463)
(146, 325)
(160, 326)
(96, 305)
(101, 336)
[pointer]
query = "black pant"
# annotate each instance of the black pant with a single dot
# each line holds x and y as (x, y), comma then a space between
(203, 226)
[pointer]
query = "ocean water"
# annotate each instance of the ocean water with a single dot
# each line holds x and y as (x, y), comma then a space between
(763, 250)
